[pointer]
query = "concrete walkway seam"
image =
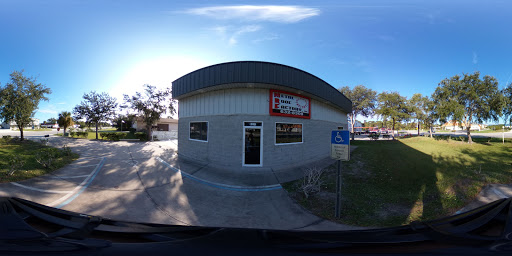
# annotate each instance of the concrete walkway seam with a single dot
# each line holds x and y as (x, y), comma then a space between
(154, 201)
(69, 177)
(219, 185)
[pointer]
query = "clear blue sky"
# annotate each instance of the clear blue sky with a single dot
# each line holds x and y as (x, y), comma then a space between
(75, 47)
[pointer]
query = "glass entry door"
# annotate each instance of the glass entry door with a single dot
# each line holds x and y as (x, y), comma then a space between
(253, 148)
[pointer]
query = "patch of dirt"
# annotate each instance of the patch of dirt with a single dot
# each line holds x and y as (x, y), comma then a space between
(462, 185)
(450, 191)
(358, 168)
(325, 196)
(392, 210)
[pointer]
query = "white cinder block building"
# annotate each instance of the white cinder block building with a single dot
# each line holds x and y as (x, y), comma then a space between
(257, 114)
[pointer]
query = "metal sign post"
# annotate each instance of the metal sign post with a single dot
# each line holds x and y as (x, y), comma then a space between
(340, 150)
(337, 209)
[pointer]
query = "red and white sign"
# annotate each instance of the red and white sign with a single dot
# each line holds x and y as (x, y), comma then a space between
(289, 104)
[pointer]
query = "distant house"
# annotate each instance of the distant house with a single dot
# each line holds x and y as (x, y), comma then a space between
(12, 125)
(50, 125)
(454, 125)
(165, 128)
(164, 124)
(358, 127)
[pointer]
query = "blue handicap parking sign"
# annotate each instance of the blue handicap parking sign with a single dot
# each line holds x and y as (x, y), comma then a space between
(340, 137)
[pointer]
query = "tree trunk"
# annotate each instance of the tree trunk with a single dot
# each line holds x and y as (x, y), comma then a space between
(96, 130)
(352, 124)
(393, 128)
(148, 128)
(430, 130)
(469, 134)
(21, 132)
(418, 127)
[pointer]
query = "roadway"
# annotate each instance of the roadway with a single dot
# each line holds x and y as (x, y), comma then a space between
(478, 135)
(454, 134)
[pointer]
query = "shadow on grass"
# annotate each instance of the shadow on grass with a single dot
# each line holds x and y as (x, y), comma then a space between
(400, 183)
(390, 183)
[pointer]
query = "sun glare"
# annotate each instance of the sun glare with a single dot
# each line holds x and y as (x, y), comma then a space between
(160, 72)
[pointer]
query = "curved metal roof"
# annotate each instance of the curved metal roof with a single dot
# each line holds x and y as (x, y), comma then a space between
(236, 74)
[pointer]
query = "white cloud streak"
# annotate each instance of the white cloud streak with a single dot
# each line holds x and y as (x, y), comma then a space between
(267, 38)
(243, 30)
(475, 58)
(47, 111)
(272, 13)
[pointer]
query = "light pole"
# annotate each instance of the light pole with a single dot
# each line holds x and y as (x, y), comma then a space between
(122, 121)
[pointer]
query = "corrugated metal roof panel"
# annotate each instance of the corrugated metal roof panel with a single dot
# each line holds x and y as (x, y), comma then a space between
(241, 72)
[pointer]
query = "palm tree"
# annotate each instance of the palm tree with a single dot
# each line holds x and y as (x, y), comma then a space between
(65, 120)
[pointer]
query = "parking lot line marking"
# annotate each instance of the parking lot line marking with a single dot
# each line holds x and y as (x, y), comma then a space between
(498, 192)
(79, 166)
(69, 177)
(40, 190)
(63, 201)
(83, 157)
(219, 185)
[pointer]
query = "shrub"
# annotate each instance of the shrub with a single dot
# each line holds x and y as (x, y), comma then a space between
(82, 134)
(115, 136)
(311, 182)
(44, 141)
(6, 138)
(72, 133)
(132, 130)
(66, 150)
(141, 136)
(47, 156)
(374, 136)
(120, 135)
(15, 163)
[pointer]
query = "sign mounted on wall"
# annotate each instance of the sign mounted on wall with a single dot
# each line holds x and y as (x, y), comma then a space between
(289, 104)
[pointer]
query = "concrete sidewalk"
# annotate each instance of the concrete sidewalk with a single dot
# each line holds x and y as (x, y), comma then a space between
(243, 176)
(254, 177)
(489, 193)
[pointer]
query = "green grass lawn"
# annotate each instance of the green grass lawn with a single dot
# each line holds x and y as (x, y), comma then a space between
(27, 151)
(389, 183)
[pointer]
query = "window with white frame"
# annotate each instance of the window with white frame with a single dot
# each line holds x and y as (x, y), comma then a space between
(287, 133)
